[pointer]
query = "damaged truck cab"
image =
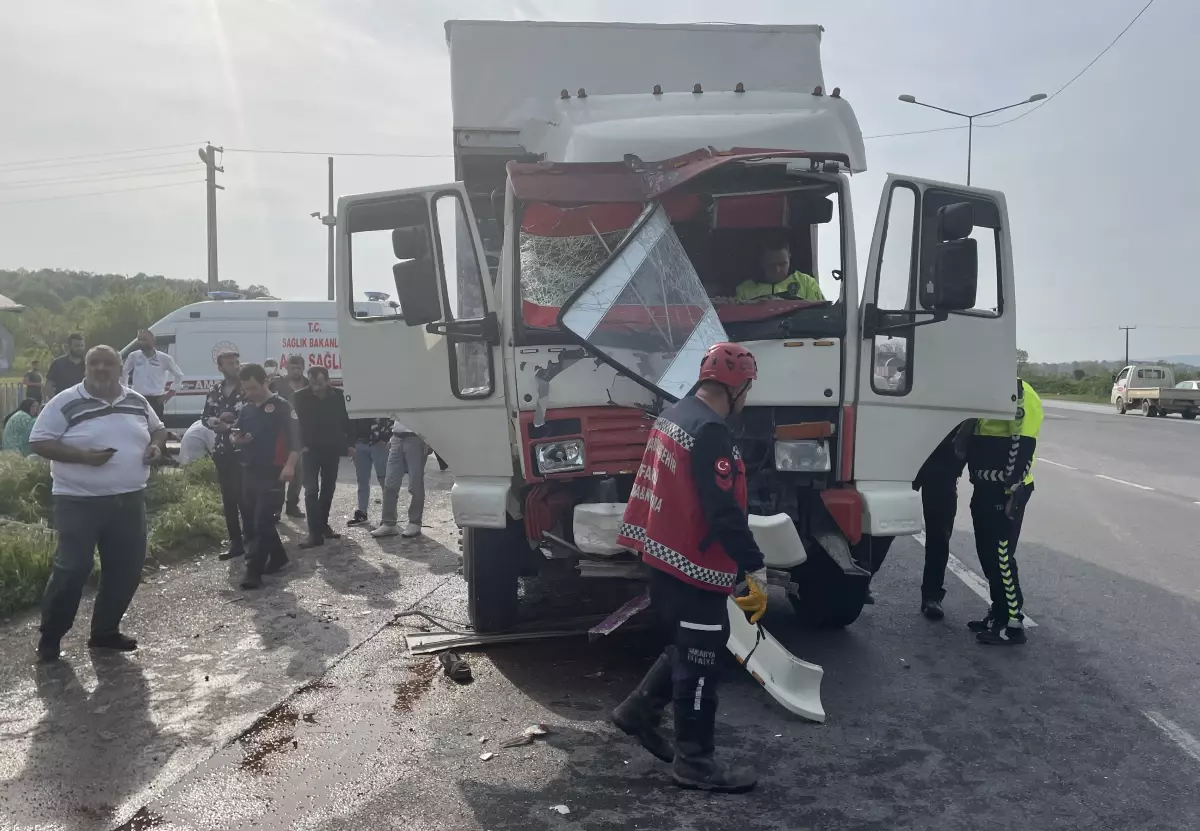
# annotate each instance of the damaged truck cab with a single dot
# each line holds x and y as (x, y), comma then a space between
(619, 186)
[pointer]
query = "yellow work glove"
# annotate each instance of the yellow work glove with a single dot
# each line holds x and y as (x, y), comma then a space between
(754, 603)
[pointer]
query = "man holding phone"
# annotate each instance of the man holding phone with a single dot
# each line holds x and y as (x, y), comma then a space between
(100, 438)
(267, 437)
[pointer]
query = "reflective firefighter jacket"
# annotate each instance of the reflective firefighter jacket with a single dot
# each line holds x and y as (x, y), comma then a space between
(686, 515)
(1001, 453)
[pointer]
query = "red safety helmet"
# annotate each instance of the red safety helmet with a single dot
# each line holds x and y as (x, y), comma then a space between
(728, 364)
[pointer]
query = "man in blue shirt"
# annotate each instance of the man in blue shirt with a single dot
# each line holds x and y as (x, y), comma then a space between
(268, 440)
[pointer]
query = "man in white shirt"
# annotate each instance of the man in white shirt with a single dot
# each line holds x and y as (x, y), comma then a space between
(146, 370)
(406, 454)
(100, 438)
(197, 443)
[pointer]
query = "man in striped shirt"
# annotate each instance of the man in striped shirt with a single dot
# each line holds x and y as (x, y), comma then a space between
(100, 438)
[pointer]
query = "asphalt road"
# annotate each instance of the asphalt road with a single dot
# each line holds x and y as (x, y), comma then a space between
(300, 707)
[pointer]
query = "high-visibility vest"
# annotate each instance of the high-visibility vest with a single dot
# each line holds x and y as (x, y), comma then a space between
(1002, 452)
(796, 286)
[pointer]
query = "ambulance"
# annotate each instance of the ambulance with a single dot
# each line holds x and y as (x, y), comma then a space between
(261, 331)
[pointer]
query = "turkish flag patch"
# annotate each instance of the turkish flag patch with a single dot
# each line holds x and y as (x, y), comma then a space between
(724, 469)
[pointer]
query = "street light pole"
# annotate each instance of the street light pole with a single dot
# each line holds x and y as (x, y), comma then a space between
(329, 221)
(970, 117)
(1127, 330)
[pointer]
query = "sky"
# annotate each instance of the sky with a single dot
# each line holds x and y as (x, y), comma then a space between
(1101, 182)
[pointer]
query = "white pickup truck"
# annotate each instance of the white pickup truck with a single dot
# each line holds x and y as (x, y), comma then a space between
(1152, 388)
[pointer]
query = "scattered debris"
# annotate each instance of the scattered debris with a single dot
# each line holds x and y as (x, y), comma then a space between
(527, 736)
(483, 757)
(206, 678)
(483, 739)
(562, 809)
(456, 668)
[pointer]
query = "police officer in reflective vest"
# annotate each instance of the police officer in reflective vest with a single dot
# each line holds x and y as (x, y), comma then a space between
(686, 516)
(1000, 462)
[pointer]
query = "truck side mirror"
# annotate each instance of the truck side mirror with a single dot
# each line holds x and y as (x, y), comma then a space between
(955, 276)
(955, 222)
(416, 277)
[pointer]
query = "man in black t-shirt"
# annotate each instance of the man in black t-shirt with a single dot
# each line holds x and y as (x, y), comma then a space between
(268, 440)
(33, 381)
(66, 370)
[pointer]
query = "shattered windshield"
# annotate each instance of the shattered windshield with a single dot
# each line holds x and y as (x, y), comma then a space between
(646, 311)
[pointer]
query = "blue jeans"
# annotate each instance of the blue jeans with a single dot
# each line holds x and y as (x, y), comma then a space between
(366, 458)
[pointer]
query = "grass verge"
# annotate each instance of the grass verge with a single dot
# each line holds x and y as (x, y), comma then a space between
(184, 516)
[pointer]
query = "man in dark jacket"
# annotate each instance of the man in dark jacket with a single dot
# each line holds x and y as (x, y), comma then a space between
(327, 435)
(938, 483)
(286, 386)
(686, 516)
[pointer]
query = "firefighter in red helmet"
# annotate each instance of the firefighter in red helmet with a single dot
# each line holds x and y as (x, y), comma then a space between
(686, 516)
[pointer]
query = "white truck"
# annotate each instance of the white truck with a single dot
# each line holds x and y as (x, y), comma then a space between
(259, 330)
(1151, 388)
(616, 183)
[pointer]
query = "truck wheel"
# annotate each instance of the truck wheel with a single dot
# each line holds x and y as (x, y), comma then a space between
(491, 561)
(828, 598)
(1148, 409)
(1121, 406)
(1188, 415)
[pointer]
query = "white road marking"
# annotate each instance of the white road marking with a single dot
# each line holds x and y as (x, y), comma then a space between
(1056, 464)
(1123, 482)
(1182, 738)
(972, 580)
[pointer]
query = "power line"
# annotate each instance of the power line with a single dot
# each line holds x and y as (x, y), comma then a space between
(1078, 74)
(329, 153)
(69, 161)
(102, 192)
(161, 170)
(914, 132)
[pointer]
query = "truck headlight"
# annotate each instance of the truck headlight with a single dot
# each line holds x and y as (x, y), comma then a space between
(802, 456)
(559, 456)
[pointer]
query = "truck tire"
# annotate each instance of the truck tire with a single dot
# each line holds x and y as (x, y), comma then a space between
(1188, 415)
(1121, 406)
(491, 562)
(1148, 409)
(827, 598)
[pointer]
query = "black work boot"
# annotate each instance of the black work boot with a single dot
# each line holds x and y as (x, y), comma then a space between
(932, 609)
(694, 766)
(984, 625)
(275, 562)
(313, 541)
(640, 715)
(252, 579)
(113, 640)
(48, 649)
(233, 552)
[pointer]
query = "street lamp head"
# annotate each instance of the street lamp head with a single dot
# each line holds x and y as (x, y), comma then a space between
(315, 214)
(1036, 97)
(910, 99)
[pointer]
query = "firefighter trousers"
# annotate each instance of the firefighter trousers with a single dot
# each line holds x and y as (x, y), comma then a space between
(696, 623)
(996, 537)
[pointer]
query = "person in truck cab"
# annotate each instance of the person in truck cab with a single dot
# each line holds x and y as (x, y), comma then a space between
(691, 471)
(1000, 463)
(777, 278)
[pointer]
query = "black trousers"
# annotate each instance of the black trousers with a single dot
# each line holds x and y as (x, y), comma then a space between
(293, 487)
(320, 479)
(233, 499)
(996, 539)
(115, 528)
(157, 404)
(939, 504)
(696, 624)
(263, 497)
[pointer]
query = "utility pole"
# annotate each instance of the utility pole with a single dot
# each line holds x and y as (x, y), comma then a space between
(1127, 330)
(329, 221)
(208, 155)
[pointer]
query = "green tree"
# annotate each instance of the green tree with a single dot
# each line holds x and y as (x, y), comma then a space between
(1079, 374)
(1022, 361)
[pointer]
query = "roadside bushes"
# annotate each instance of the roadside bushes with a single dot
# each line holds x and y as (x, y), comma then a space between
(183, 504)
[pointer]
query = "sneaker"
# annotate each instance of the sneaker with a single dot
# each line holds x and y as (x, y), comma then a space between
(313, 541)
(984, 625)
(330, 534)
(1011, 635)
(115, 640)
(932, 609)
(412, 530)
(48, 649)
(385, 531)
(359, 518)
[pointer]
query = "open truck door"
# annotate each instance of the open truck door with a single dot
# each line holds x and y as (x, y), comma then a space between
(434, 364)
(939, 336)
